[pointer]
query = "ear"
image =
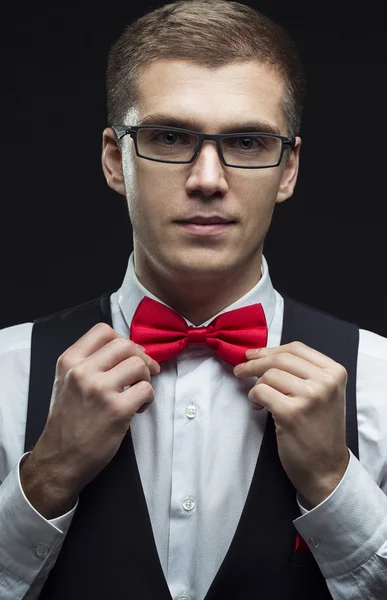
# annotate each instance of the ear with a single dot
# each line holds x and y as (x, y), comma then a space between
(289, 175)
(112, 162)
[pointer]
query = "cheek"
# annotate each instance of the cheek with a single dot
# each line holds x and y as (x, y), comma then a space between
(151, 191)
(257, 197)
(138, 187)
(147, 192)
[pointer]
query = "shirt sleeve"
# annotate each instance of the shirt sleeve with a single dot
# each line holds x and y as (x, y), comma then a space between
(29, 543)
(347, 534)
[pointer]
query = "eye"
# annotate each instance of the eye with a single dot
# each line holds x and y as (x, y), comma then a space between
(251, 143)
(169, 138)
(247, 143)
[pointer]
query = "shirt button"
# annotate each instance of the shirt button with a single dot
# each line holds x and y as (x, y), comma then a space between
(314, 541)
(191, 411)
(41, 551)
(184, 597)
(188, 504)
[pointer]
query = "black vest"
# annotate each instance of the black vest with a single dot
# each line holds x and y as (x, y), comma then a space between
(109, 552)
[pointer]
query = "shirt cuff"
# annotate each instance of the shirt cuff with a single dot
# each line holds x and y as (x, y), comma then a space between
(304, 510)
(349, 526)
(27, 538)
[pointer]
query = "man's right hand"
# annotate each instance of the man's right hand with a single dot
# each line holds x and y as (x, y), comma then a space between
(89, 417)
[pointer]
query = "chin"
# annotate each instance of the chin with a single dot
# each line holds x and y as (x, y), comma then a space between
(201, 264)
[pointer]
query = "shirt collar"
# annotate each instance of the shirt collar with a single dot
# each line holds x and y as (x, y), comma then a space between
(132, 292)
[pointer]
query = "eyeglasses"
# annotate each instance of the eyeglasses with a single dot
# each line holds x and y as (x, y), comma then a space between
(181, 146)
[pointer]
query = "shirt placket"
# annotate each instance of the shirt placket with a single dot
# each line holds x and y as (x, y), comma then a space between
(184, 505)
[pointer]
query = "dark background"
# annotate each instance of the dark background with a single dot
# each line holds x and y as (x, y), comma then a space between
(66, 237)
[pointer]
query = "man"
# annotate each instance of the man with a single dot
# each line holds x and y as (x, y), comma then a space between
(204, 432)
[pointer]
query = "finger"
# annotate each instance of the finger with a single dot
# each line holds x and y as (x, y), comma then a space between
(144, 407)
(262, 395)
(283, 382)
(141, 347)
(92, 341)
(298, 349)
(137, 398)
(283, 361)
(116, 351)
(127, 373)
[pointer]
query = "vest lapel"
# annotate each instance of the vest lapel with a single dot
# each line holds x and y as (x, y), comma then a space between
(263, 543)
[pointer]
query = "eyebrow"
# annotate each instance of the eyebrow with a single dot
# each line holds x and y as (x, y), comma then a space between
(193, 125)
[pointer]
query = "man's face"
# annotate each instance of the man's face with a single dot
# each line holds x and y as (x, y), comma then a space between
(161, 196)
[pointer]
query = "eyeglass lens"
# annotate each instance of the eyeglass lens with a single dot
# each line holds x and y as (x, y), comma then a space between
(251, 150)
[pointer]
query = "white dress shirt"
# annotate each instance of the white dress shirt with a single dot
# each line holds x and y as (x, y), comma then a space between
(196, 448)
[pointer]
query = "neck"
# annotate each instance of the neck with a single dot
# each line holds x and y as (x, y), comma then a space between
(199, 296)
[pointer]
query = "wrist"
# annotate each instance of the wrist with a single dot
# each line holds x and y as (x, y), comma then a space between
(44, 490)
(313, 495)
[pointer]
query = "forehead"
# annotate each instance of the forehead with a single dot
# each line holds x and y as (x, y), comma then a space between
(212, 97)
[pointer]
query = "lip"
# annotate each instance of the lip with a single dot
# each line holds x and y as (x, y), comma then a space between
(206, 220)
(205, 229)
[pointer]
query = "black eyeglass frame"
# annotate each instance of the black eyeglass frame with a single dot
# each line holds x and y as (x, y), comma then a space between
(122, 130)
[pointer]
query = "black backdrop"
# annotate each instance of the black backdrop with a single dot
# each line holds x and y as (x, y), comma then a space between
(66, 237)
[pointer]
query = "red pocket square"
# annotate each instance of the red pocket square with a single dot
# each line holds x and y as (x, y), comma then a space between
(301, 545)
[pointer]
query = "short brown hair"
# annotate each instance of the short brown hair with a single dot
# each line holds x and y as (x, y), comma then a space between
(211, 33)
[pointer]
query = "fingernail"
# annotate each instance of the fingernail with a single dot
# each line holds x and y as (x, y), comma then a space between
(238, 369)
(252, 353)
(257, 406)
(142, 347)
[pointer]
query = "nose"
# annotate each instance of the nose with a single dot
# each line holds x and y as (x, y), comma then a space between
(207, 173)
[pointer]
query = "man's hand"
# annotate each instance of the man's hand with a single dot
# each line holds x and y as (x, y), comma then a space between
(91, 412)
(305, 392)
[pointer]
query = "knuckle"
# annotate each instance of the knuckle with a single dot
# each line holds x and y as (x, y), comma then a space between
(63, 364)
(342, 373)
(270, 375)
(103, 327)
(277, 360)
(96, 387)
(330, 381)
(146, 389)
(137, 363)
(126, 342)
(274, 373)
(316, 391)
(254, 394)
(296, 346)
(260, 387)
(103, 331)
(280, 359)
(76, 373)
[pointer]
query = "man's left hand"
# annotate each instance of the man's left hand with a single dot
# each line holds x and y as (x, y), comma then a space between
(305, 392)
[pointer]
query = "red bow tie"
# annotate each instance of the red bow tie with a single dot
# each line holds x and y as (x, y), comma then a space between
(164, 333)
